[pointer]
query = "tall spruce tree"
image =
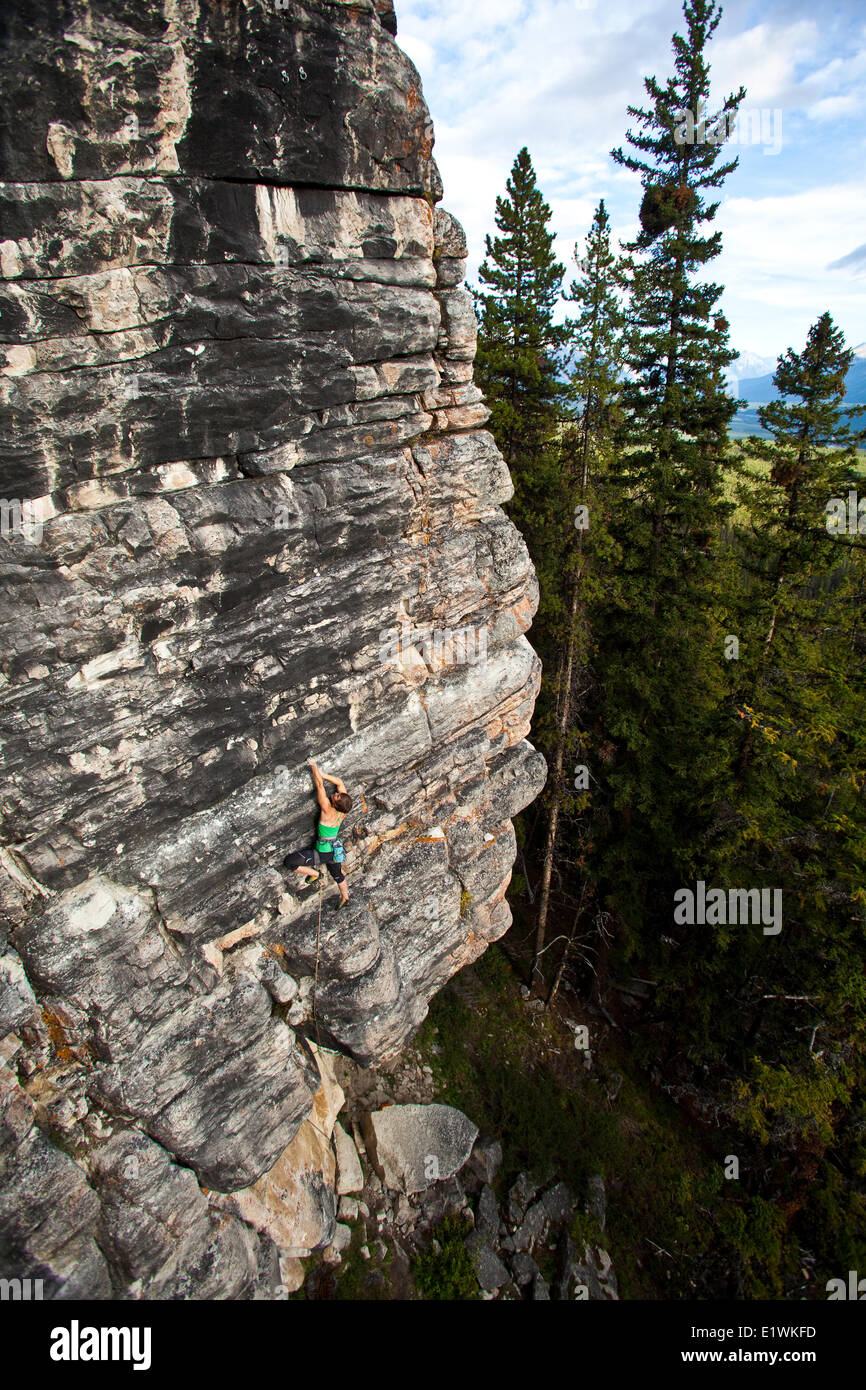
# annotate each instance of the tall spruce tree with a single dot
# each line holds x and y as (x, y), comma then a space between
(595, 339)
(810, 457)
(519, 346)
(662, 649)
(797, 1005)
(517, 367)
(584, 459)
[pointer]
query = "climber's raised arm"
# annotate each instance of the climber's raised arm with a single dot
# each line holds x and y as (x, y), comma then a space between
(329, 847)
(321, 794)
(337, 781)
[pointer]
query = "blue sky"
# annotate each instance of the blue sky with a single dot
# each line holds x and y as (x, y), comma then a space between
(557, 76)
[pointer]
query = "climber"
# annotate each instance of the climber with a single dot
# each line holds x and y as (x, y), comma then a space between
(328, 847)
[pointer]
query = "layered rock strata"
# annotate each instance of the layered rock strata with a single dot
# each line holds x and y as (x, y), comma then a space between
(251, 516)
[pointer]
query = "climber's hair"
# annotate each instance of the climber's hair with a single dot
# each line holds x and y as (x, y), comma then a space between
(342, 801)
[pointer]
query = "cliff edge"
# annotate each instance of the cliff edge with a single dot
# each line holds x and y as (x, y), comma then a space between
(251, 516)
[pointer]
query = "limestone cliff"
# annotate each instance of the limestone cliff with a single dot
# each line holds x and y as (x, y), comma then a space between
(251, 516)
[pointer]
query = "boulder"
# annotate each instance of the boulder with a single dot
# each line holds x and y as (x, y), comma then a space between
(540, 1290)
(519, 1198)
(489, 1269)
(414, 1146)
(487, 1214)
(342, 1238)
(532, 1229)
(595, 1273)
(558, 1205)
(523, 1269)
(350, 1177)
(441, 1200)
(291, 1274)
(565, 1267)
(485, 1160)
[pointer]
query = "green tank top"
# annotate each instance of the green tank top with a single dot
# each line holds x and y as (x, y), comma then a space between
(327, 834)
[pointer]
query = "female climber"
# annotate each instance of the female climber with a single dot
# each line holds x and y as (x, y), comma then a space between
(328, 847)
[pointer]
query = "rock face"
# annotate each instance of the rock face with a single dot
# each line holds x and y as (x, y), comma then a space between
(412, 1146)
(294, 1203)
(251, 516)
(350, 1177)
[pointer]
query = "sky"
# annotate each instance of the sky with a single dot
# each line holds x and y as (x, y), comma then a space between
(558, 76)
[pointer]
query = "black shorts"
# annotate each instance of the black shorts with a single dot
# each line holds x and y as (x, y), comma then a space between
(306, 858)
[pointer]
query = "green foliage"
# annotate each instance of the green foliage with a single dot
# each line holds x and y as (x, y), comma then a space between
(518, 343)
(519, 1076)
(774, 1103)
(353, 1281)
(517, 366)
(746, 772)
(596, 344)
(487, 1063)
(447, 1274)
(756, 1231)
(656, 616)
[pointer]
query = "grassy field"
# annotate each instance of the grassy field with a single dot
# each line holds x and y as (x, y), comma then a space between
(740, 453)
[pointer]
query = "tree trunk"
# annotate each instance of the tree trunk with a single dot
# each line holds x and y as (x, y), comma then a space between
(556, 780)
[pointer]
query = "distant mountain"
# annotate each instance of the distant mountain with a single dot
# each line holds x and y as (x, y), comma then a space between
(749, 364)
(760, 389)
(746, 422)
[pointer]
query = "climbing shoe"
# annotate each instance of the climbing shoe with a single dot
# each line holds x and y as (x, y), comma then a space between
(335, 906)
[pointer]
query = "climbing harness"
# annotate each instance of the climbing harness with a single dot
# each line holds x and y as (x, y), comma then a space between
(328, 840)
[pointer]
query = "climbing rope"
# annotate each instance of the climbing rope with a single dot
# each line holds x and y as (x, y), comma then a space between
(316, 971)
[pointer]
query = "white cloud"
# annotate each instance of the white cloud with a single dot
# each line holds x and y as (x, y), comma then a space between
(422, 53)
(776, 258)
(557, 77)
(765, 60)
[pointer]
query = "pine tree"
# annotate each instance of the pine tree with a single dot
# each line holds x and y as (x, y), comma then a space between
(677, 346)
(783, 1018)
(585, 455)
(517, 367)
(809, 459)
(595, 339)
(519, 346)
(662, 647)
(800, 694)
